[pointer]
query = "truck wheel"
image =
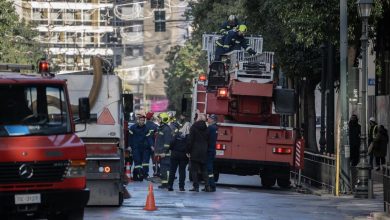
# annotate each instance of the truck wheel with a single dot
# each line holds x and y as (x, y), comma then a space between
(77, 214)
(268, 182)
(284, 182)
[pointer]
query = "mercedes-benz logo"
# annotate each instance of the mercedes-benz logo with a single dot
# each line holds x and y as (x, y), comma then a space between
(26, 171)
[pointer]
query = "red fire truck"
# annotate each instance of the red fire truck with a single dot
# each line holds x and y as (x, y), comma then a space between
(42, 162)
(253, 136)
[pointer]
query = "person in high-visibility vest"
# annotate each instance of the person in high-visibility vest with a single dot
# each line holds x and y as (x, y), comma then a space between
(163, 140)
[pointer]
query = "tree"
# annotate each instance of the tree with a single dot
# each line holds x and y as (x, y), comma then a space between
(294, 30)
(18, 44)
(184, 64)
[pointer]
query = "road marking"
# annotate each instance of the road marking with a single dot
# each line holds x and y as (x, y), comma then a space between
(231, 192)
(186, 218)
(179, 205)
(233, 188)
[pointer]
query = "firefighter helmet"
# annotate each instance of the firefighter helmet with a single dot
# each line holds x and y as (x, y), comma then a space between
(164, 117)
(242, 28)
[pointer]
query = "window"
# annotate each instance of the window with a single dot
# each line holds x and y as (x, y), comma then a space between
(33, 110)
(159, 21)
(157, 4)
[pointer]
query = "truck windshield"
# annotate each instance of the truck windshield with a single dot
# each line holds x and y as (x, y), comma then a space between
(33, 110)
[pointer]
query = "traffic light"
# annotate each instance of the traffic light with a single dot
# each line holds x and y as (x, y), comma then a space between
(159, 21)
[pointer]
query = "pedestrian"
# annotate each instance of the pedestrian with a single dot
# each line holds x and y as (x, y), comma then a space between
(233, 40)
(140, 145)
(163, 140)
(152, 128)
(197, 151)
(211, 151)
(231, 24)
(182, 120)
(173, 124)
(379, 150)
(178, 157)
(372, 130)
(354, 139)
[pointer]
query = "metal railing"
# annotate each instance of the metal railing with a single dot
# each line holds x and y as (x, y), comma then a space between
(208, 44)
(320, 172)
(386, 188)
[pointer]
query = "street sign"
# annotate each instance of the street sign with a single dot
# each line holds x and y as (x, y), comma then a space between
(371, 82)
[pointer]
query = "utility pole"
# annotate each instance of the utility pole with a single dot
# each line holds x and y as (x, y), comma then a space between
(364, 185)
(344, 149)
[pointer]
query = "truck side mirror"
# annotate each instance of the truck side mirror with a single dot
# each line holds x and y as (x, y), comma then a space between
(183, 104)
(127, 105)
(284, 100)
(84, 110)
(186, 103)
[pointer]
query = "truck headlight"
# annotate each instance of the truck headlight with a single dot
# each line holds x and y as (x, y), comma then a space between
(76, 169)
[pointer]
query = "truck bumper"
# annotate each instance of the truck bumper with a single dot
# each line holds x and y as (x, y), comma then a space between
(52, 201)
(248, 167)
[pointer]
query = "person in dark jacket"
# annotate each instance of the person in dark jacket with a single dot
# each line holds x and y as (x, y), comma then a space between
(380, 146)
(198, 141)
(354, 139)
(211, 151)
(178, 157)
(152, 127)
(372, 131)
(140, 145)
(233, 40)
(230, 24)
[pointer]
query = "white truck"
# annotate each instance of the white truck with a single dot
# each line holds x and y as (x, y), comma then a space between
(103, 135)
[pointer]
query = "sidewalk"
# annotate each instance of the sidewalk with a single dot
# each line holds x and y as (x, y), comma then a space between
(377, 178)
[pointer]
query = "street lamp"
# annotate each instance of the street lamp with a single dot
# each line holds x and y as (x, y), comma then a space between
(364, 184)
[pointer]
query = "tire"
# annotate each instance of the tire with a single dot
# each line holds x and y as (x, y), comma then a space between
(284, 183)
(268, 182)
(77, 214)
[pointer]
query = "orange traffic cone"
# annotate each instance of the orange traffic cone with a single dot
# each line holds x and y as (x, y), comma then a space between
(128, 172)
(150, 204)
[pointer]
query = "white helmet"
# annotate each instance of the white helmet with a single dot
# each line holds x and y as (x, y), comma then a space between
(372, 119)
(232, 18)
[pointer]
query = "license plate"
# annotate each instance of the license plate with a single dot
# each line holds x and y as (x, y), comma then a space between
(220, 152)
(27, 199)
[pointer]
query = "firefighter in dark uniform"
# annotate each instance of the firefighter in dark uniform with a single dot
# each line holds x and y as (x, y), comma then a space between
(152, 128)
(163, 140)
(140, 145)
(211, 151)
(230, 24)
(233, 40)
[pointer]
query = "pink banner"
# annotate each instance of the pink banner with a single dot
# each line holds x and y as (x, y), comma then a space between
(159, 105)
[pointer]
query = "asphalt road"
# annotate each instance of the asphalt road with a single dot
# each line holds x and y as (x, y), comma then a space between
(236, 198)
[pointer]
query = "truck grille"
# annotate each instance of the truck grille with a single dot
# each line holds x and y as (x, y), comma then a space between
(29, 172)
